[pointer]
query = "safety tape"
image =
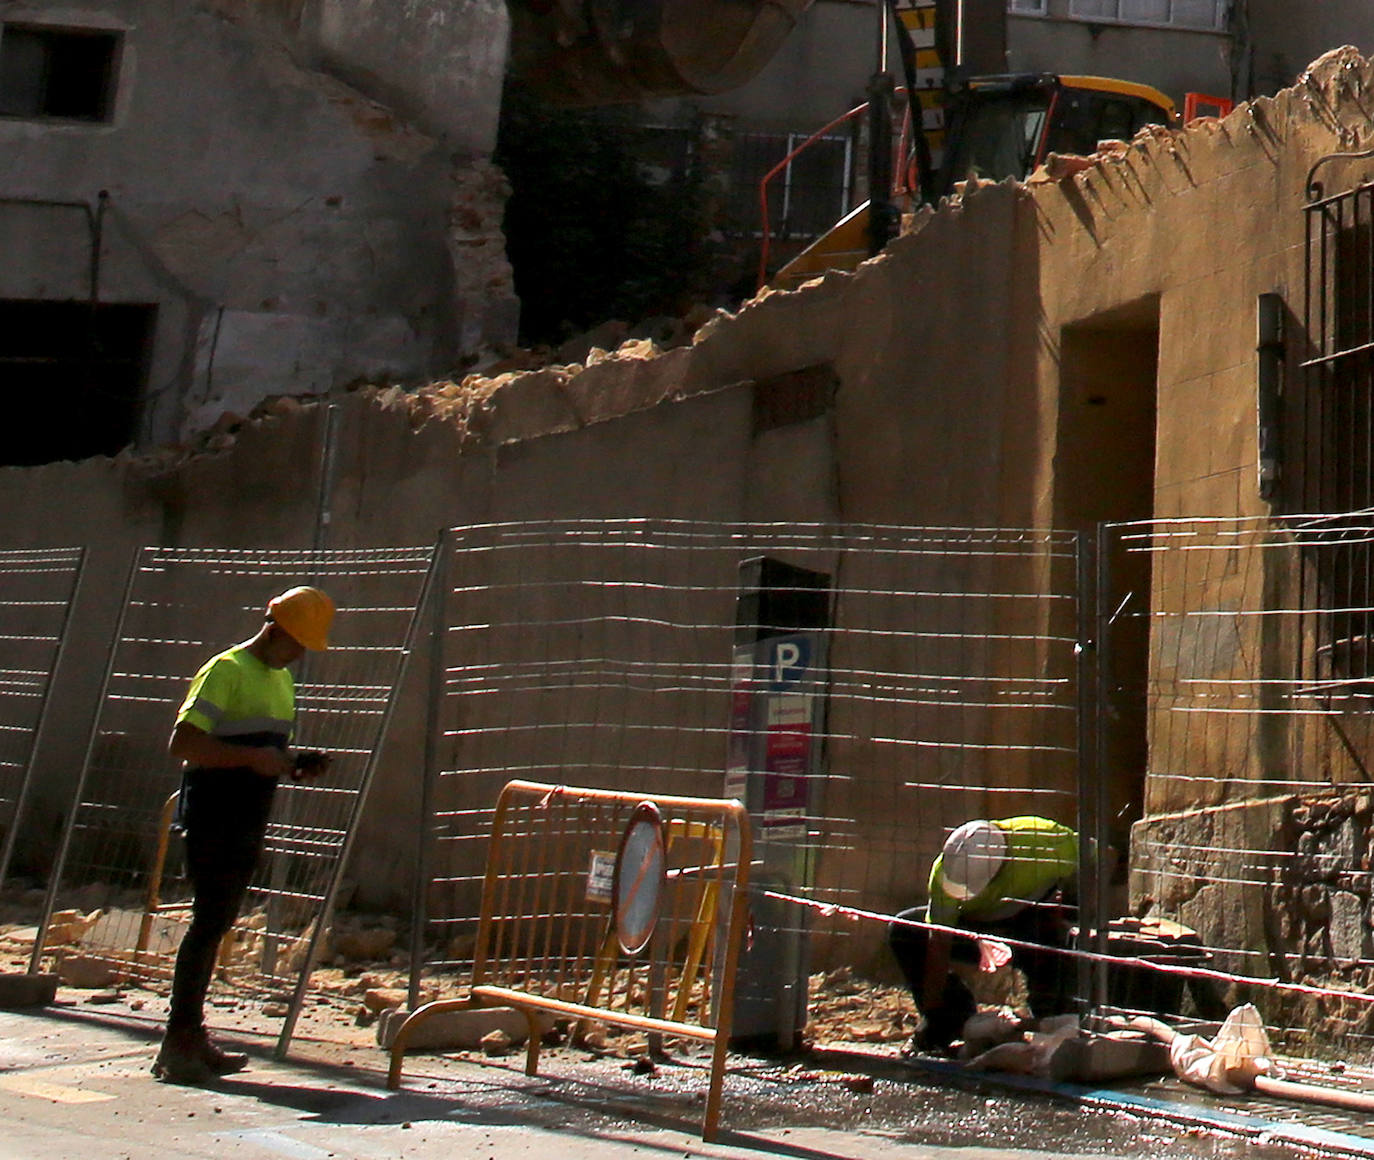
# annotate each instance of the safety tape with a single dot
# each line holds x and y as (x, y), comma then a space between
(854, 913)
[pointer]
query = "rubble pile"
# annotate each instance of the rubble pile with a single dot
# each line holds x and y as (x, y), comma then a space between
(845, 1008)
(465, 401)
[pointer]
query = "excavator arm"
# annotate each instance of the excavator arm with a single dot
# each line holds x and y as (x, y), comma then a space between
(598, 52)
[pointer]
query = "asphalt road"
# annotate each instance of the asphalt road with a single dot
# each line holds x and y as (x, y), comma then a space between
(75, 1084)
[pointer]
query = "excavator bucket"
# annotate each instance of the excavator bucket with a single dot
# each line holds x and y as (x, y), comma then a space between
(575, 53)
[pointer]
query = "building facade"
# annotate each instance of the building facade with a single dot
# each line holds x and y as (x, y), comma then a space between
(205, 204)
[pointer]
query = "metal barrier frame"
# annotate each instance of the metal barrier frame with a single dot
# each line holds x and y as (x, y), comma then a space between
(18, 813)
(426, 569)
(496, 893)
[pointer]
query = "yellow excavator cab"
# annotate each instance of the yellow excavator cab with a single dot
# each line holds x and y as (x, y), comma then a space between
(1005, 126)
(998, 127)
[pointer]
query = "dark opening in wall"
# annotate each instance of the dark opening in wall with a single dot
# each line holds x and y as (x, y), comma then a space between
(71, 377)
(795, 397)
(62, 73)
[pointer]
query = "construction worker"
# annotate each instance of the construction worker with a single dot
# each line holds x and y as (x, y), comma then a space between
(232, 733)
(1007, 879)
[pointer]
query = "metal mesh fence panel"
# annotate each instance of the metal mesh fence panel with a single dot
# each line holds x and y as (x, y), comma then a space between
(608, 654)
(120, 909)
(37, 589)
(1256, 777)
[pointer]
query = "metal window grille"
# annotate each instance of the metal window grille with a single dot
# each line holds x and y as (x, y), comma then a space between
(811, 194)
(1202, 14)
(37, 589)
(1333, 432)
(183, 605)
(600, 654)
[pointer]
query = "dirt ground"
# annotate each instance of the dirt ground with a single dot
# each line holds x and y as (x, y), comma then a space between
(366, 973)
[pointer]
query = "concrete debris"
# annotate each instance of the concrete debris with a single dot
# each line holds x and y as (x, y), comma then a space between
(844, 1007)
(1056, 1048)
(464, 402)
(85, 972)
(1060, 166)
(496, 1042)
(384, 998)
(362, 945)
(465, 1029)
(68, 927)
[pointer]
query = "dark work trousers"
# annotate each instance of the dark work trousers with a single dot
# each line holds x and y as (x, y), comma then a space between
(224, 817)
(223, 813)
(220, 867)
(1049, 976)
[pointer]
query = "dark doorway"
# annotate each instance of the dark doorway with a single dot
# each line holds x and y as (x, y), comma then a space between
(71, 377)
(1105, 472)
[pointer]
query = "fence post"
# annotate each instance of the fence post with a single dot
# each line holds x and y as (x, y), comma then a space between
(1089, 703)
(69, 825)
(434, 726)
(427, 593)
(40, 728)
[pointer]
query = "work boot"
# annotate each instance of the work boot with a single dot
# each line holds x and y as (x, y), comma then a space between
(179, 1060)
(218, 1060)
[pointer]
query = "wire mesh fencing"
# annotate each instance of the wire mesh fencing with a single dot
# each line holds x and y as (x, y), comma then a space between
(117, 906)
(1244, 677)
(37, 590)
(933, 680)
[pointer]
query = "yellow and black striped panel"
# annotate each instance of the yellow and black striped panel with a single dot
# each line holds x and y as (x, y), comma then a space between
(919, 19)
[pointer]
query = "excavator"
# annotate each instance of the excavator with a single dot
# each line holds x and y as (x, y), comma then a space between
(957, 128)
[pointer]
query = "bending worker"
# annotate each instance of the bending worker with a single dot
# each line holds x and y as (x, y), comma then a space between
(232, 732)
(1008, 879)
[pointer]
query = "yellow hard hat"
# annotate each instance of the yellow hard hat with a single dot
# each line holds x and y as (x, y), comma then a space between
(305, 614)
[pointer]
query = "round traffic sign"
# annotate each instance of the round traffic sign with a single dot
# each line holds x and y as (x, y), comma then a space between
(638, 880)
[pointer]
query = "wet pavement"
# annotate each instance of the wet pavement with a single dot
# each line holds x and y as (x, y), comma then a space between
(74, 1082)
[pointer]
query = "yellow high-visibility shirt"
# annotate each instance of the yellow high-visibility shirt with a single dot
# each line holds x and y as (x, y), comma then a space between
(237, 698)
(1040, 855)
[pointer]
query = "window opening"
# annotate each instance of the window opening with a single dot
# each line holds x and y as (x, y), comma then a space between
(811, 194)
(63, 74)
(1203, 14)
(71, 378)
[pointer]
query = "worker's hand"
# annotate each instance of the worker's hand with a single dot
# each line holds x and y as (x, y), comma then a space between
(310, 764)
(992, 955)
(268, 761)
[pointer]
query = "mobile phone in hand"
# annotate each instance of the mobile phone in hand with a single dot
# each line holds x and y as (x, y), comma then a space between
(311, 763)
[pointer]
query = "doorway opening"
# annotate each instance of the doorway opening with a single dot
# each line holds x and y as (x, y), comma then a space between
(1105, 472)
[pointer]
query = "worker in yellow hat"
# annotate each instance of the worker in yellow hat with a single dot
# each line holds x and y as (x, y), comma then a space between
(233, 735)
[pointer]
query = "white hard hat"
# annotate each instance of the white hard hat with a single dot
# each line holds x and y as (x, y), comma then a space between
(973, 854)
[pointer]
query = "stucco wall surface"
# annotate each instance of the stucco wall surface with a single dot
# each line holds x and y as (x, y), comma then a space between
(293, 233)
(1177, 61)
(439, 62)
